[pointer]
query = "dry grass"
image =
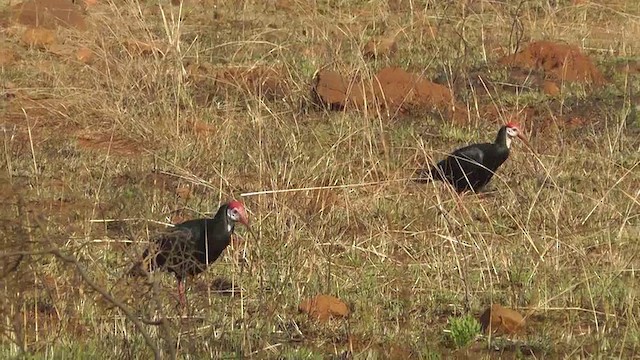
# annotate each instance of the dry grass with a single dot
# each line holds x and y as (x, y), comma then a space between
(123, 138)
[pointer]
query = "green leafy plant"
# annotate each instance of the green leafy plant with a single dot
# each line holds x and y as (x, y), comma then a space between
(463, 330)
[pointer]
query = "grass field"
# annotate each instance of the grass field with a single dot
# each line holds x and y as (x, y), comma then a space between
(149, 113)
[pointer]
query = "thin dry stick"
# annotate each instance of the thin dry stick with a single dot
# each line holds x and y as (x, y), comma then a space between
(629, 171)
(33, 152)
(569, 308)
(130, 219)
(127, 312)
(6, 150)
(264, 192)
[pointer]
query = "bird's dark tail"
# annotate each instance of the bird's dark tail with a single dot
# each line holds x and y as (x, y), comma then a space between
(428, 175)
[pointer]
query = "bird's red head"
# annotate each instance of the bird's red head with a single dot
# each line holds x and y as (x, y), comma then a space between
(514, 130)
(237, 212)
(513, 125)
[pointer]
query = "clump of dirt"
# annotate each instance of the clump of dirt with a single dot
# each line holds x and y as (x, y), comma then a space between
(324, 307)
(211, 82)
(500, 320)
(391, 88)
(334, 92)
(564, 62)
(398, 89)
(48, 14)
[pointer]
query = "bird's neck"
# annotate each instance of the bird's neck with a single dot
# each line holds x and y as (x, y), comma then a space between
(503, 141)
(221, 220)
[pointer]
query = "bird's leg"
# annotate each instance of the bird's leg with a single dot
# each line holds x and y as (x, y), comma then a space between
(239, 251)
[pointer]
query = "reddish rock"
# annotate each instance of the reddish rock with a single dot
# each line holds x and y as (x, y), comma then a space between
(324, 307)
(501, 320)
(565, 62)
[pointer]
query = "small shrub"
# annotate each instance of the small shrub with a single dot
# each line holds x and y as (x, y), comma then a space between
(463, 330)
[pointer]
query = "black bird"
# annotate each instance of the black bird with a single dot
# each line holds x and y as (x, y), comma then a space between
(471, 167)
(188, 248)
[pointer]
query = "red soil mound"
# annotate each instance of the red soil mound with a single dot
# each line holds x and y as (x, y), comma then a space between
(324, 307)
(565, 62)
(393, 89)
(501, 320)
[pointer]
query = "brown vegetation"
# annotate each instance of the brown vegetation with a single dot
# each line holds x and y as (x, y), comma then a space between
(120, 118)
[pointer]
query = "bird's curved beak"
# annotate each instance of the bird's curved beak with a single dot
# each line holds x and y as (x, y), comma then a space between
(524, 140)
(244, 220)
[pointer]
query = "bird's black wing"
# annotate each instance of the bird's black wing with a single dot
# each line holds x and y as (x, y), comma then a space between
(174, 249)
(173, 238)
(471, 154)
